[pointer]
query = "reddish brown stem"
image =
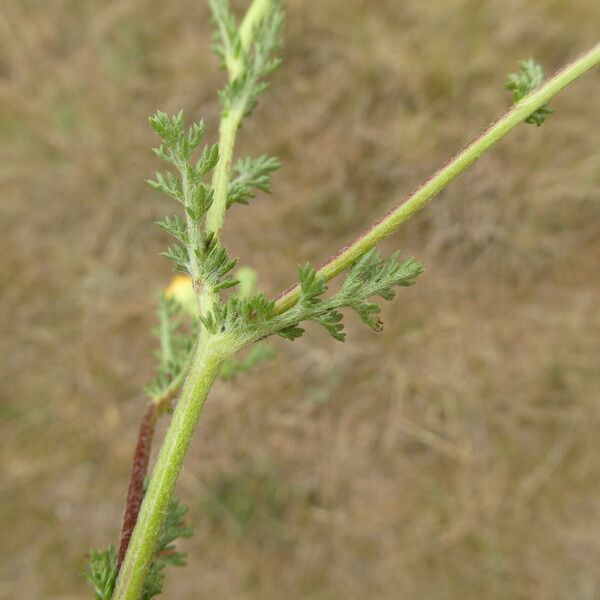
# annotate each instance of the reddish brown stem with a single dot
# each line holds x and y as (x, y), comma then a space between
(135, 494)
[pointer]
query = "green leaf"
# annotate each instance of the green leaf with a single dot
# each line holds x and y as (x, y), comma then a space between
(176, 227)
(178, 254)
(371, 275)
(177, 342)
(332, 321)
(168, 184)
(530, 77)
(238, 314)
(252, 174)
(226, 41)
(102, 572)
(243, 91)
(207, 161)
(311, 286)
(214, 263)
(291, 332)
(195, 135)
(170, 129)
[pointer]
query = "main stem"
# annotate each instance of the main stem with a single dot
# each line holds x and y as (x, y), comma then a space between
(457, 165)
(205, 367)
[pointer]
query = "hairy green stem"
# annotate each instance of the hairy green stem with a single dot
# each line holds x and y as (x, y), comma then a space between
(254, 15)
(457, 165)
(227, 131)
(230, 122)
(207, 362)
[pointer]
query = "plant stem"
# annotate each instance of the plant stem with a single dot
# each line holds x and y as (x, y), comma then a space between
(135, 493)
(457, 165)
(257, 11)
(230, 122)
(208, 359)
(227, 131)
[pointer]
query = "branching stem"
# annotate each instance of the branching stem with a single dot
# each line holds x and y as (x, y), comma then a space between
(457, 165)
(215, 348)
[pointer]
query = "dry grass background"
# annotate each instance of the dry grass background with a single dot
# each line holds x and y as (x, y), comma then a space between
(456, 455)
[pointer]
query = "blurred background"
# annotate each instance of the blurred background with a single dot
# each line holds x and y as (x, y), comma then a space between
(454, 455)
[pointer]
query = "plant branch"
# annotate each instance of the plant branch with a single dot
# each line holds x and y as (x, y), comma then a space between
(230, 123)
(231, 120)
(254, 15)
(457, 165)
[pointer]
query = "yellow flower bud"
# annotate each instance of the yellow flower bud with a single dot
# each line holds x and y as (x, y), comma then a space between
(181, 290)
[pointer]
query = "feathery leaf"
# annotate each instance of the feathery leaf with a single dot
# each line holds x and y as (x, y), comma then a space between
(528, 79)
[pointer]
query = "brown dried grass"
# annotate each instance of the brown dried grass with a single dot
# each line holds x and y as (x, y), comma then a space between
(454, 456)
